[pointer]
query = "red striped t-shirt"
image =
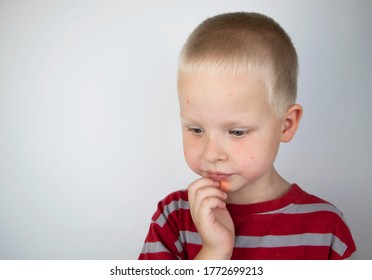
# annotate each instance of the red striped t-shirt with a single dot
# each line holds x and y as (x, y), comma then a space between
(295, 226)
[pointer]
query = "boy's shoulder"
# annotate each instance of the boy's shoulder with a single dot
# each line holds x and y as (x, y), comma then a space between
(306, 203)
(169, 204)
(181, 194)
(174, 200)
(305, 198)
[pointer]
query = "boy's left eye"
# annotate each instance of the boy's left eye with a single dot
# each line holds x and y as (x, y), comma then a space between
(238, 132)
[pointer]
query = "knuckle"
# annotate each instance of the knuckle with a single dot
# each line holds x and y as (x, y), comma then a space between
(195, 185)
(209, 202)
(200, 192)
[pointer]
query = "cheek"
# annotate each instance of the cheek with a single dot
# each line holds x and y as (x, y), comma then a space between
(245, 154)
(192, 162)
(191, 154)
(251, 156)
(259, 159)
(249, 160)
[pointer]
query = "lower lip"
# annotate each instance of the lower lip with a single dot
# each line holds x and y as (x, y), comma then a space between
(219, 177)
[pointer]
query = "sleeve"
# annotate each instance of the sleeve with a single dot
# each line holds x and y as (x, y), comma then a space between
(162, 241)
(333, 223)
(343, 245)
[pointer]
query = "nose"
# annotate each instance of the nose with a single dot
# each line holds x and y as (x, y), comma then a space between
(213, 150)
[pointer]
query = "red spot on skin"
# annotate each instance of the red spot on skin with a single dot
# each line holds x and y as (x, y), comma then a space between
(187, 101)
(224, 185)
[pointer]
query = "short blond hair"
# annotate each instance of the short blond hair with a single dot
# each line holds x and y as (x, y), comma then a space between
(245, 43)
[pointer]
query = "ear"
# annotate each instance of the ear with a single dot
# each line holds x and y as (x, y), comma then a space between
(291, 122)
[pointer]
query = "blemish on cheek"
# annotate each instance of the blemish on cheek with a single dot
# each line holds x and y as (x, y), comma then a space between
(252, 157)
(224, 185)
(187, 101)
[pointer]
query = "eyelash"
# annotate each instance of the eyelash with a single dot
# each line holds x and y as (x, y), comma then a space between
(238, 132)
(234, 132)
(195, 130)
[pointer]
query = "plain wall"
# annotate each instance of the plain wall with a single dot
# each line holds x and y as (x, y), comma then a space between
(90, 138)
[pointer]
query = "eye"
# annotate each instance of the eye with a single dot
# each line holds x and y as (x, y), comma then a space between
(195, 130)
(238, 132)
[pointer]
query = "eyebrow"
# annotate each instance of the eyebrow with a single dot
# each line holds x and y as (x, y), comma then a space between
(187, 120)
(232, 123)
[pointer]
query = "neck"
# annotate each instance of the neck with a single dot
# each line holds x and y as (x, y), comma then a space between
(269, 187)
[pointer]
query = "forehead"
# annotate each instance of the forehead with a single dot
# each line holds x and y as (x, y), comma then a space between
(226, 94)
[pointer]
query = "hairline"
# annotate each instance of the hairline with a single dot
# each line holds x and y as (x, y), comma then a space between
(263, 72)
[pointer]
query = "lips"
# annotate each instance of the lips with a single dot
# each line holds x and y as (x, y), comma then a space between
(218, 176)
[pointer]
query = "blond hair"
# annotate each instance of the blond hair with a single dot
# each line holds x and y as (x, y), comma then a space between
(245, 43)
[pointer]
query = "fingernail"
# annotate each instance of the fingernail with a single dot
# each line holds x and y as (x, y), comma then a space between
(222, 205)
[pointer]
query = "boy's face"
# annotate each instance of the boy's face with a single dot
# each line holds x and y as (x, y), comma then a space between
(229, 132)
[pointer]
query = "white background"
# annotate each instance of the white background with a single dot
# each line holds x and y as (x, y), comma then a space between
(90, 139)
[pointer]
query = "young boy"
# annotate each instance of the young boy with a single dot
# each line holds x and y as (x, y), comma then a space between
(237, 82)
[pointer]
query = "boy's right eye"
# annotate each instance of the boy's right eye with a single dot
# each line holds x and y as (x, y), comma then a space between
(195, 130)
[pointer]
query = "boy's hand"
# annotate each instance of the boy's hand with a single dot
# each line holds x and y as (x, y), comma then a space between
(211, 218)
